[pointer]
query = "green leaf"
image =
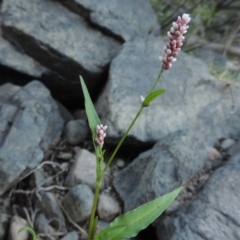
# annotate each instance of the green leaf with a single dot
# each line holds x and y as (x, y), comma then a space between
(93, 118)
(106, 230)
(151, 96)
(140, 217)
(29, 229)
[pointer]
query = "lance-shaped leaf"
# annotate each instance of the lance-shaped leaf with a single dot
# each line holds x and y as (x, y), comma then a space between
(139, 218)
(106, 230)
(151, 96)
(29, 229)
(93, 118)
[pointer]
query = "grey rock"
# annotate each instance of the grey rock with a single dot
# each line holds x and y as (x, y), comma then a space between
(80, 114)
(19, 61)
(108, 208)
(51, 209)
(65, 44)
(83, 170)
(78, 202)
(170, 163)
(66, 115)
(42, 225)
(71, 236)
(4, 222)
(227, 143)
(17, 223)
(234, 149)
(194, 99)
(124, 19)
(76, 131)
(214, 214)
(7, 91)
(120, 163)
(33, 123)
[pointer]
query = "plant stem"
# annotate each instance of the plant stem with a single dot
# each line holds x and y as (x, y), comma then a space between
(157, 80)
(91, 225)
(122, 139)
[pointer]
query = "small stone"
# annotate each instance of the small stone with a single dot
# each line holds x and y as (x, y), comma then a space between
(78, 202)
(80, 114)
(41, 225)
(83, 170)
(108, 208)
(51, 209)
(71, 236)
(213, 154)
(76, 131)
(120, 163)
(17, 223)
(64, 155)
(227, 143)
(66, 115)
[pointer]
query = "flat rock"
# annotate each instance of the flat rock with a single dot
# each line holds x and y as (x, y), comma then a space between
(30, 122)
(170, 163)
(59, 40)
(194, 99)
(124, 19)
(11, 58)
(214, 214)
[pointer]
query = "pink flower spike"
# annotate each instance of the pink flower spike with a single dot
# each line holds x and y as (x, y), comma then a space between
(175, 41)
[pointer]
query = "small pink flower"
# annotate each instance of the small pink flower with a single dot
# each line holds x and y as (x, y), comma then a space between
(100, 135)
(175, 43)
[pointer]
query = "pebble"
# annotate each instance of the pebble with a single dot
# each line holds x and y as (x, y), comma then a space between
(227, 143)
(71, 236)
(17, 223)
(120, 163)
(78, 202)
(108, 208)
(213, 154)
(76, 131)
(64, 155)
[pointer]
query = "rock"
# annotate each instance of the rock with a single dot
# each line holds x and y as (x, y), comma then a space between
(4, 223)
(170, 163)
(80, 114)
(227, 143)
(7, 91)
(64, 44)
(78, 202)
(66, 115)
(234, 149)
(120, 163)
(51, 209)
(108, 208)
(17, 223)
(123, 19)
(193, 98)
(214, 154)
(83, 170)
(76, 131)
(214, 214)
(30, 123)
(71, 236)
(42, 225)
(19, 61)
(65, 155)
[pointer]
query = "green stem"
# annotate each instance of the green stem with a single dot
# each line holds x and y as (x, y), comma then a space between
(94, 207)
(122, 139)
(157, 80)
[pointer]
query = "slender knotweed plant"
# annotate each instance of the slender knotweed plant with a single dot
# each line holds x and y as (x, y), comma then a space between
(129, 224)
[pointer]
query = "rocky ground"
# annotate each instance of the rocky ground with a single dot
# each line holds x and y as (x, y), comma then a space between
(190, 136)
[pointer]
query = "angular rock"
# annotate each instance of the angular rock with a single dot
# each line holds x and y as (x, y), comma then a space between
(83, 170)
(18, 61)
(108, 208)
(30, 122)
(124, 19)
(78, 202)
(59, 40)
(170, 163)
(193, 98)
(52, 210)
(214, 214)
